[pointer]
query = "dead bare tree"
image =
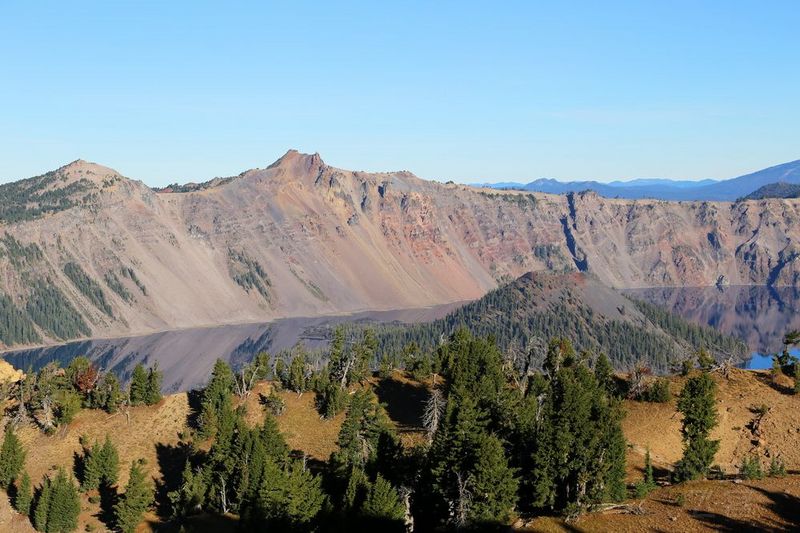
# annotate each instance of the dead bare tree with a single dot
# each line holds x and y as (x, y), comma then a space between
(21, 416)
(513, 360)
(638, 380)
(223, 495)
(46, 420)
(622, 508)
(539, 405)
(348, 363)
(366, 448)
(434, 408)
(125, 408)
(460, 508)
(243, 382)
(408, 517)
(724, 367)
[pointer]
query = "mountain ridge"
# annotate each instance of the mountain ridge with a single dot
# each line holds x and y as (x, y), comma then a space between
(778, 189)
(302, 238)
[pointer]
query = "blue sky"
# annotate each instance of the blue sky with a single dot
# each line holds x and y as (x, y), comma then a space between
(179, 91)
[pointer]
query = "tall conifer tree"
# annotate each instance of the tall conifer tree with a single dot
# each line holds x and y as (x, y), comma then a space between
(132, 504)
(697, 403)
(12, 458)
(138, 387)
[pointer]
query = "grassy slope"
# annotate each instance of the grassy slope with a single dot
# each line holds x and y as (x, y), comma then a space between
(717, 503)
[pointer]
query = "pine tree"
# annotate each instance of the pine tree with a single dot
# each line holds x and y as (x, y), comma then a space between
(101, 466)
(58, 505)
(138, 387)
(222, 458)
(12, 458)
(216, 398)
(24, 495)
(776, 370)
(279, 372)
(190, 495)
(64, 505)
(613, 460)
(493, 484)
(153, 389)
(297, 381)
(364, 353)
(365, 435)
(260, 366)
(304, 497)
(67, 405)
(42, 505)
(571, 441)
(777, 468)
(109, 461)
(697, 404)
(273, 441)
(559, 351)
(604, 373)
(647, 483)
(356, 490)
(648, 470)
(452, 460)
(133, 503)
(751, 468)
(467, 476)
(286, 498)
(332, 400)
(383, 502)
(91, 469)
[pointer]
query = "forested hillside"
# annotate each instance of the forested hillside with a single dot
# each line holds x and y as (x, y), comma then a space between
(775, 190)
(525, 314)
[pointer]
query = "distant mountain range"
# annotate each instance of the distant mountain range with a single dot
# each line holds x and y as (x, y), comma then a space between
(665, 189)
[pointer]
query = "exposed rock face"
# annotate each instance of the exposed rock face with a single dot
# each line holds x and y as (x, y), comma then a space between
(302, 238)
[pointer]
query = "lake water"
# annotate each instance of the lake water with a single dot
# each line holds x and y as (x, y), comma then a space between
(187, 356)
(760, 316)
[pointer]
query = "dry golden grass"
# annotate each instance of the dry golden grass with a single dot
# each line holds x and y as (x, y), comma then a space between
(301, 424)
(657, 426)
(9, 374)
(307, 431)
(767, 505)
(137, 439)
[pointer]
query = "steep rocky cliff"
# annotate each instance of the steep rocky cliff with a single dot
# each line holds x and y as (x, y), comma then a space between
(109, 255)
